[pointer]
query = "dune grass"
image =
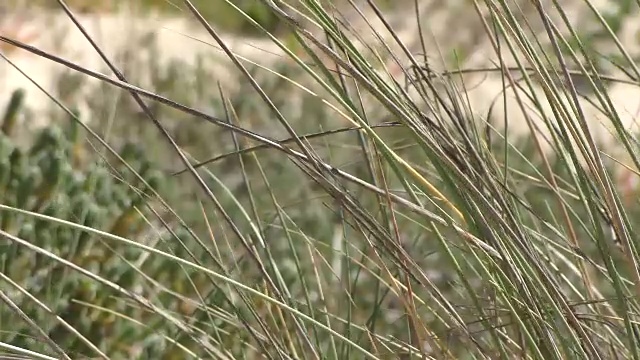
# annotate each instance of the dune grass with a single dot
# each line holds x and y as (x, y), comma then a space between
(380, 235)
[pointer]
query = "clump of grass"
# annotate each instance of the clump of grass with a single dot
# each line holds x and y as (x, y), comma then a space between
(406, 234)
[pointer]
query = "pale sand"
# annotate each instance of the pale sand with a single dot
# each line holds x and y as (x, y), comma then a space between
(451, 26)
(123, 40)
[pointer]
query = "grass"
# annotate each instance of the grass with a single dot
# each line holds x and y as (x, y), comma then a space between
(382, 235)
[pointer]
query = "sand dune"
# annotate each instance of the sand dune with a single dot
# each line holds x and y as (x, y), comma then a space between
(125, 38)
(133, 44)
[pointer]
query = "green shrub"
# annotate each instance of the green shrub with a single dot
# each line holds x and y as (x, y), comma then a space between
(58, 176)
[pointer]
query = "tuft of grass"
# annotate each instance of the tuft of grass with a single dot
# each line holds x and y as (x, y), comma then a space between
(330, 212)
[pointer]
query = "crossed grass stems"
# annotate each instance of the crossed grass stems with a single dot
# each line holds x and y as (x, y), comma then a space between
(532, 288)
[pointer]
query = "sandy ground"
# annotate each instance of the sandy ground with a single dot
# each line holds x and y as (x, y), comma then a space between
(447, 26)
